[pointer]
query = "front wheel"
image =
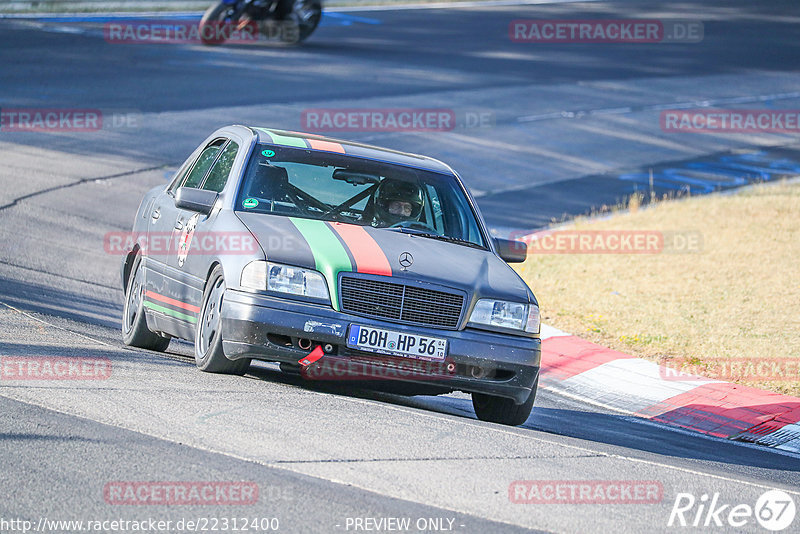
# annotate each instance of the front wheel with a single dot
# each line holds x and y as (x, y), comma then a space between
(134, 324)
(214, 24)
(208, 352)
(502, 410)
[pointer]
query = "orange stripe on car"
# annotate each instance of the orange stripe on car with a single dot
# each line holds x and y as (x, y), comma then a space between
(172, 302)
(369, 257)
(327, 146)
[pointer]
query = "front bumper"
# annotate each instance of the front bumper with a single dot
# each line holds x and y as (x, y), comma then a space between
(269, 328)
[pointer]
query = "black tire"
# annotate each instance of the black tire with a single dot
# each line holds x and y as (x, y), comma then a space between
(502, 410)
(214, 16)
(306, 14)
(208, 352)
(134, 323)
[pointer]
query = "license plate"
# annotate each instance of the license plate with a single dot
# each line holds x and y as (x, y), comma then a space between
(402, 344)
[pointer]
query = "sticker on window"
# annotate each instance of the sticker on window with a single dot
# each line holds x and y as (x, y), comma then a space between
(250, 203)
(268, 153)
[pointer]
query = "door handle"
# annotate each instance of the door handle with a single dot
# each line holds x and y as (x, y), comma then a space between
(156, 214)
(179, 225)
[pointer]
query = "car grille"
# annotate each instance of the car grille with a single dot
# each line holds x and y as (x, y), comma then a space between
(400, 302)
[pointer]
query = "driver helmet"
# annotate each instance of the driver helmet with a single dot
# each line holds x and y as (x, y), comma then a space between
(397, 201)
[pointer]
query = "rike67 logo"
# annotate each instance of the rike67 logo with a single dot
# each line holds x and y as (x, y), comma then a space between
(774, 510)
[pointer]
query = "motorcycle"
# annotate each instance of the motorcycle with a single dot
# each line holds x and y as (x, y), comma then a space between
(288, 21)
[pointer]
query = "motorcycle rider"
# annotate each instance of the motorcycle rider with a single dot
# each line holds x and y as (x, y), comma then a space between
(288, 21)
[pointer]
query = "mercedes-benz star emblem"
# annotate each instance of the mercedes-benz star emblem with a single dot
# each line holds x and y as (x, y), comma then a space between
(406, 259)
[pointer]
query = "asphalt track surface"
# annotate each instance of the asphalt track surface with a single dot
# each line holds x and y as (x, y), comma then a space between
(567, 122)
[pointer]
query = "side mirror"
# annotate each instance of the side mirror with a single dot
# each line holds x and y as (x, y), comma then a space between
(199, 200)
(511, 251)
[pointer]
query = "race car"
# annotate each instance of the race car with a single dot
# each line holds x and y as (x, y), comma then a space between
(337, 260)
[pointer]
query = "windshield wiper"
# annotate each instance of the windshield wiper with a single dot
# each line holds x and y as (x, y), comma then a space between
(447, 238)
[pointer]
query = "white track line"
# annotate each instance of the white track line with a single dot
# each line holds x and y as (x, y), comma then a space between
(694, 104)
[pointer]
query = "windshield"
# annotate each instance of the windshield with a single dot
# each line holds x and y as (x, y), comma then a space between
(334, 187)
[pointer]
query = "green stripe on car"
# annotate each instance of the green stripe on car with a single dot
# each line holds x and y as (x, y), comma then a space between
(285, 140)
(173, 313)
(330, 255)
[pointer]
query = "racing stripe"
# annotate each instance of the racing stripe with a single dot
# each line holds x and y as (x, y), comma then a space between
(171, 301)
(369, 257)
(330, 256)
(285, 140)
(279, 238)
(327, 146)
(173, 313)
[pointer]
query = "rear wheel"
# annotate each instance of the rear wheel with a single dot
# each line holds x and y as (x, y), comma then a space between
(502, 410)
(208, 352)
(134, 324)
(306, 14)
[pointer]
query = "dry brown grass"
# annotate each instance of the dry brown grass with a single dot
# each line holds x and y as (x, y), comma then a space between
(737, 298)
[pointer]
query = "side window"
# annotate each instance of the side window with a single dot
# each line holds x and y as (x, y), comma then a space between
(203, 163)
(180, 176)
(222, 168)
(433, 209)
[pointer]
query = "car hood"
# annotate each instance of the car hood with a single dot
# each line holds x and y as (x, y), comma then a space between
(331, 248)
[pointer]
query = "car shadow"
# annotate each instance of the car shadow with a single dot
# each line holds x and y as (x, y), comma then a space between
(657, 438)
(612, 430)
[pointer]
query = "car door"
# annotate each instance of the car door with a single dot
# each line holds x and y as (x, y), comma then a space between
(198, 243)
(163, 287)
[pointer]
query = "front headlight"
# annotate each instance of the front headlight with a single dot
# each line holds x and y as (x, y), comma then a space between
(261, 275)
(503, 314)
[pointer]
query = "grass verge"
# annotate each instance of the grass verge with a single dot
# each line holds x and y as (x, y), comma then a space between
(721, 309)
